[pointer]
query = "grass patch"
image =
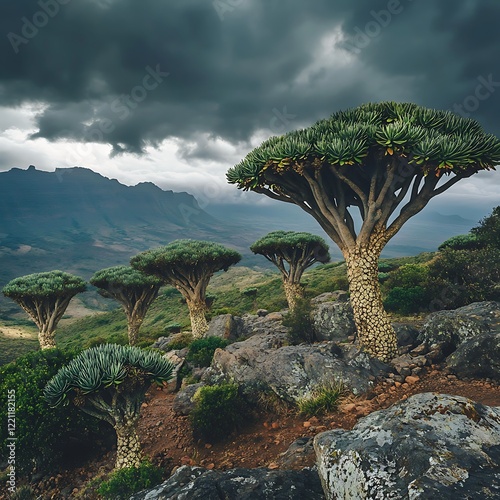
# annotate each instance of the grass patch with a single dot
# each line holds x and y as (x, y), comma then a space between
(324, 399)
(16, 340)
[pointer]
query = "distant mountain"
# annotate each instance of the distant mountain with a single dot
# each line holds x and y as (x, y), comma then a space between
(79, 221)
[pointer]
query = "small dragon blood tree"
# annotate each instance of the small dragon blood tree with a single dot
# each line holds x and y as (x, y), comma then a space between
(45, 298)
(292, 253)
(110, 382)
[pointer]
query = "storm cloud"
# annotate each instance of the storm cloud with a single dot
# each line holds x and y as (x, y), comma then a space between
(132, 74)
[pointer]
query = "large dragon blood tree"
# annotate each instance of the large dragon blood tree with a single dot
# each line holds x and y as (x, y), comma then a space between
(385, 160)
(110, 382)
(134, 290)
(188, 265)
(292, 253)
(45, 298)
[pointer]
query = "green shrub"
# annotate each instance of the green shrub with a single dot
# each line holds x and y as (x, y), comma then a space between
(124, 482)
(385, 267)
(95, 342)
(300, 324)
(42, 432)
(201, 351)
(323, 399)
(173, 328)
(250, 292)
(461, 242)
(340, 283)
(407, 300)
(460, 277)
(180, 341)
(383, 276)
(408, 276)
(219, 410)
(210, 299)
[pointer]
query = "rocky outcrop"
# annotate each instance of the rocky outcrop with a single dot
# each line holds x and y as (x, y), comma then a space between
(225, 326)
(196, 483)
(333, 320)
(477, 358)
(264, 362)
(231, 327)
(429, 446)
(299, 454)
(449, 329)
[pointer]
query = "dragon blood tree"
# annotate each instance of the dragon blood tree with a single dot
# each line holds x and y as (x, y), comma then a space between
(292, 253)
(188, 265)
(110, 382)
(384, 160)
(134, 290)
(45, 298)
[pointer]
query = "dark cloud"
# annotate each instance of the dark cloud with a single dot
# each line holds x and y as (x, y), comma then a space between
(101, 66)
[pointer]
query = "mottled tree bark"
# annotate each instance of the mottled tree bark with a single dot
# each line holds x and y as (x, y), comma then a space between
(375, 331)
(293, 292)
(46, 339)
(133, 330)
(199, 324)
(128, 446)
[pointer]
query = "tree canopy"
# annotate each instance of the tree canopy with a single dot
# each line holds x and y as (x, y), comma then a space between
(195, 257)
(97, 373)
(291, 246)
(44, 285)
(119, 278)
(368, 157)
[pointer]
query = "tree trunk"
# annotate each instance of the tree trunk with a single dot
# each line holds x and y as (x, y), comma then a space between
(46, 339)
(128, 446)
(199, 324)
(375, 332)
(293, 292)
(133, 330)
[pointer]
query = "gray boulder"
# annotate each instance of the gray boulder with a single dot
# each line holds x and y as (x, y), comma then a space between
(429, 446)
(407, 334)
(477, 358)
(196, 483)
(299, 454)
(264, 362)
(337, 296)
(225, 326)
(183, 402)
(333, 320)
(449, 329)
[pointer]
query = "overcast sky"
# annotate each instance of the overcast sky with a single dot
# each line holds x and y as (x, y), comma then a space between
(176, 92)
